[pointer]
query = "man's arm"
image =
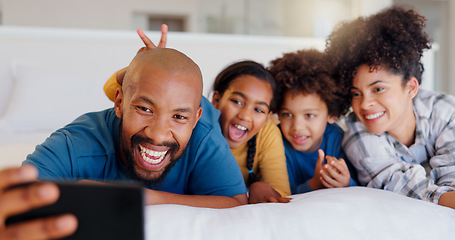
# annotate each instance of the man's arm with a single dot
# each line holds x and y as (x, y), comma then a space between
(18, 200)
(159, 197)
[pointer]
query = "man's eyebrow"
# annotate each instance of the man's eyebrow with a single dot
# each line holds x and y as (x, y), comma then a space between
(144, 99)
(258, 102)
(182, 109)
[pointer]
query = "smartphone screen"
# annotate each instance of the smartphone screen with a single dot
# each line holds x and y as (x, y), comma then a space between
(104, 211)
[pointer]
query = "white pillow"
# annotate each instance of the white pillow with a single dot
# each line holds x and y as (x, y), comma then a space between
(46, 97)
(340, 213)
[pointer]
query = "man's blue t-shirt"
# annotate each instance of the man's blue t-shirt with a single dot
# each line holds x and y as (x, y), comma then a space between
(88, 149)
(301, 164)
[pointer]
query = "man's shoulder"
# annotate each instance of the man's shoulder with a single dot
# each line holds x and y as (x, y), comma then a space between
(209, 119)
(95, 130)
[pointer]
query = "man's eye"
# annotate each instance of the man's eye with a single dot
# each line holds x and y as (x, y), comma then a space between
(144, 109)
(180, 117)
(310, 115)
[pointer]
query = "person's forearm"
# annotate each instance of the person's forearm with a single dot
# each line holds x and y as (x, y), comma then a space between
(154, 197)
(447, 199)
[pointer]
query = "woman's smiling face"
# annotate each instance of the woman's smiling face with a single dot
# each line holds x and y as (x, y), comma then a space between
(381, 102)
(245, 107)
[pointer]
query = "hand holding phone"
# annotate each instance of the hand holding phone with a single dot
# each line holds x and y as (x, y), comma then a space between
(103, 211)
(18, 200)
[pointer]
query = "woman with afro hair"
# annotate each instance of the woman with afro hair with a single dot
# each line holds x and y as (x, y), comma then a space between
(308, 105)
(399, 137)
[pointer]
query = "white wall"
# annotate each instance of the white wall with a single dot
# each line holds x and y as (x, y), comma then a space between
(93, 14)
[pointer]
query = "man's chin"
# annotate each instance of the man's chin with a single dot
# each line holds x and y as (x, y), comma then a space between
(147, 175)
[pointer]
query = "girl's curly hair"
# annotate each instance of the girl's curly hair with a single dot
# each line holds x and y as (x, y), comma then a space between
(393, 39)
(307, 72)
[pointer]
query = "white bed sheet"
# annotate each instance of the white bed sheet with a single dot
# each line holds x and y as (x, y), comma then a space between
(349, 213)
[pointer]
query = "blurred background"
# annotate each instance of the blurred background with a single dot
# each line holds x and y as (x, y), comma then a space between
(292, 18)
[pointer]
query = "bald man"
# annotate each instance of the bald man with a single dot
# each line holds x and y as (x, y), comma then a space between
(161, 132)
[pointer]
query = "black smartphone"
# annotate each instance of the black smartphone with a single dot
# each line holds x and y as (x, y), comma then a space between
(104, 211)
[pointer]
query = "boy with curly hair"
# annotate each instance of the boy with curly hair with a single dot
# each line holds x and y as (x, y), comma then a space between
(400, 138)
(308, 105)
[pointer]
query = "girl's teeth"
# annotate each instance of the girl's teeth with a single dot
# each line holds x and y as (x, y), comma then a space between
(240, 127)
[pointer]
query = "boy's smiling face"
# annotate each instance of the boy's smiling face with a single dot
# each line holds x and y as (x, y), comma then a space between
(303, 119)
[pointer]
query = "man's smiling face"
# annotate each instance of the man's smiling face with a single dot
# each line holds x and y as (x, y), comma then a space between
(159, 110)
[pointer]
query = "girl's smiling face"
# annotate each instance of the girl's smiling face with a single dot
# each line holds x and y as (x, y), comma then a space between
(382, 103)
(303, 119)
(245, 107)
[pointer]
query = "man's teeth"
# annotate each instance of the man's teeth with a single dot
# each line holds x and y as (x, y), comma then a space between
(240, 127)
(145, 153)
(374, 116)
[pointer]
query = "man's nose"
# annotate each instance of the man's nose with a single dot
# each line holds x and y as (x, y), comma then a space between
(159, 130)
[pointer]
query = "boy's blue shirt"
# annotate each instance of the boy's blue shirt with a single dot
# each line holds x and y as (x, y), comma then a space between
(301, 165)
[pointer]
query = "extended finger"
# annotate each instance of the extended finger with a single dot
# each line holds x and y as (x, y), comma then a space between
(22, 199)
(46, 228)
(13, 176)
(163, 39)
(148, 43)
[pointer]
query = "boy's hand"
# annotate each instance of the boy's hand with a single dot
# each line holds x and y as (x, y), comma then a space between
(262, 192)
(316, 181)
(335, 173)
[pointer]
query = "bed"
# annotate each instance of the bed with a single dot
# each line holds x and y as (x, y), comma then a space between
(51, 76)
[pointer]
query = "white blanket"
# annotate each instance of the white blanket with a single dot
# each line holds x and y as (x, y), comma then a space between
(349, 213)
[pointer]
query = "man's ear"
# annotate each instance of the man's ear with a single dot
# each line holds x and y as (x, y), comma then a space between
(332, 119)
(412, 86)
(198, 116)
(216, 99)
(118, 103)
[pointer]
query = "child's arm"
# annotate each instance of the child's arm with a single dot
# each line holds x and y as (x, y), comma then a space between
(262, 192)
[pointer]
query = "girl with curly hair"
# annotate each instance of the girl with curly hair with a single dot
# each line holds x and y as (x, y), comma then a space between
(308, 105)
(400, 138)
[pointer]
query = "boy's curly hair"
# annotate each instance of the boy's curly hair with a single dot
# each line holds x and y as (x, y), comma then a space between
(393, 38)
(307, 72)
